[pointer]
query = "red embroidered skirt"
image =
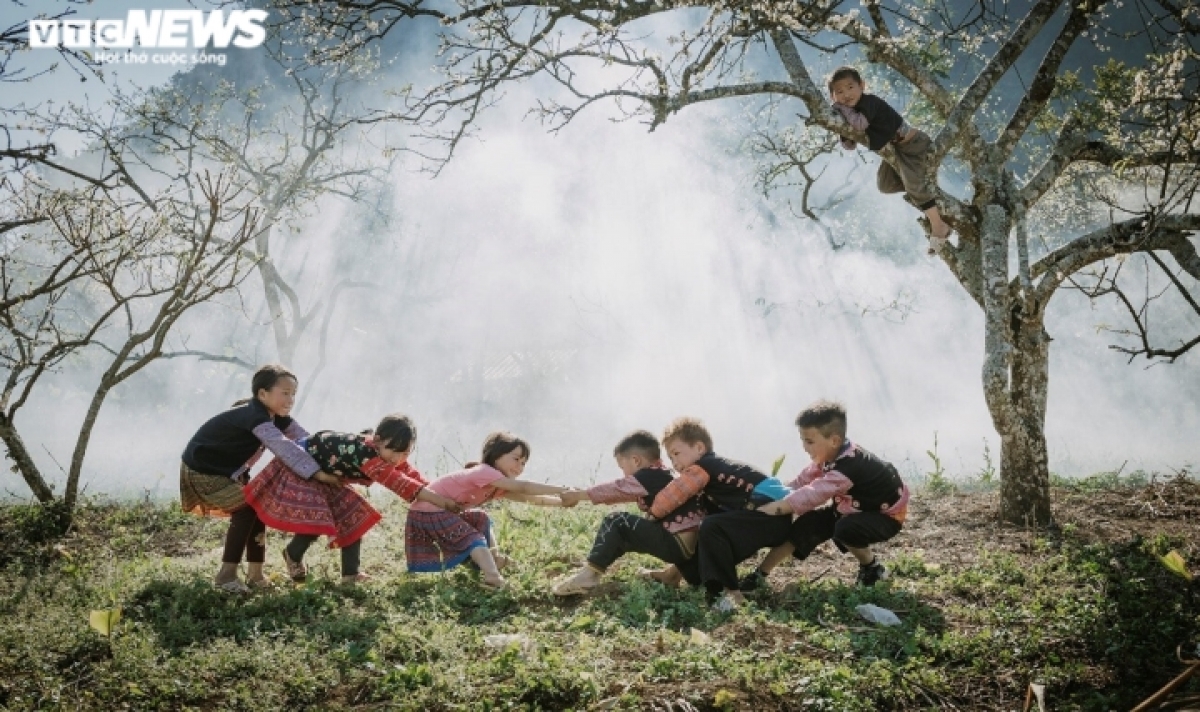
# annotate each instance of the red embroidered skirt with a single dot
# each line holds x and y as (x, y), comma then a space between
(437, 541)
(290, 503)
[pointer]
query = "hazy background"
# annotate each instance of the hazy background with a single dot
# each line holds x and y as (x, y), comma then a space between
(574, 287)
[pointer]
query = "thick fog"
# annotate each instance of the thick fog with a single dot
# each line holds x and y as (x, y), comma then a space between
(573, 287)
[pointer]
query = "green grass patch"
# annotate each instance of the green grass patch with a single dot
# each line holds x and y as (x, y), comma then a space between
(1098, 623)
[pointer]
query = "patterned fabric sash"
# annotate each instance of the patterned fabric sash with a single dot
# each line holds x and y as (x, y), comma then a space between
(211, 495)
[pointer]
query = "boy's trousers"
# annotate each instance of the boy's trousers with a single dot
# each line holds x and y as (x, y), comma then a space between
(729, 538)
(857, 531)
(623, 532)
(908, 175)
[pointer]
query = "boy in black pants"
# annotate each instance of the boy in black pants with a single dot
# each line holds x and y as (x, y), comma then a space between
(870, 500)
(736, 528)
(672, 538)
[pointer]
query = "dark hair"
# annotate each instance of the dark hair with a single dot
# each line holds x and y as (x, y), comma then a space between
(829, 417)
(689, 430)
(843, 73)
(396, 432)
(500, 444)
(639, 442)
(264, 379)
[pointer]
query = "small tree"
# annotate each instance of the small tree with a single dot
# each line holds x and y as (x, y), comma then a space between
(105, 278)
(296, 132)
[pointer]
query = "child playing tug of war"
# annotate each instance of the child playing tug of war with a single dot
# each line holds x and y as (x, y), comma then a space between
(671, 539)
(735, 529)
(869, 498)
(437, 540)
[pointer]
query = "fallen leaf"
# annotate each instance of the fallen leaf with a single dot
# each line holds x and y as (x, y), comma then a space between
(1176, 564)
(104, 621)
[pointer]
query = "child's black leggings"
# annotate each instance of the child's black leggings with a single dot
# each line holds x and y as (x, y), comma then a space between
(350, 554)
(623, 532)
(246, 533)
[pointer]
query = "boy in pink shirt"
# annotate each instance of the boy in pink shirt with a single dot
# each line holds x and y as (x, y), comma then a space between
(870, 500)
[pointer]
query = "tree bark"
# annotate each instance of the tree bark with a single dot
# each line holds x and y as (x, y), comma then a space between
(24, 463)
(1015, 378)
(85, 437)
(1024, 460)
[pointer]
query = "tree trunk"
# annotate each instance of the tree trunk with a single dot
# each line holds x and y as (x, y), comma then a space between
(1015, 379)
(1024, 463)
(85, 437)
(23, 463)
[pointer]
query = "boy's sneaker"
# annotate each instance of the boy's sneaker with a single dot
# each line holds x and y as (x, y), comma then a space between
(872, 573)
(752, 581)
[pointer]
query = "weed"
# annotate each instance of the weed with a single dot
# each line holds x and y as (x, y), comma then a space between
(936, 482)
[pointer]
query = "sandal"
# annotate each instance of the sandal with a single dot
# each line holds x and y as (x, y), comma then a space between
(570, 587)
(661, 576)
(263, 584)
(574, 586)
(232, 586)
(357, 578)
(297, 572)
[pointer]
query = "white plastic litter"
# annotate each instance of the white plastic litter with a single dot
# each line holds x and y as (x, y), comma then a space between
(875, 614)
(523, 643)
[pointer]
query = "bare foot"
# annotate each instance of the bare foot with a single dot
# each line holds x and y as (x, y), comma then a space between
(355, 579)
(502, 561)
(495, 583)
(939, 236)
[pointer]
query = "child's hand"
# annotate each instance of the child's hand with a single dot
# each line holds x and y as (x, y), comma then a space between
(448, 504)
(776, 508)
(328, 479)
(572, 498)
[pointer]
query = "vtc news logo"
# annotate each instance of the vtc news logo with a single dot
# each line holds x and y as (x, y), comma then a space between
(172, 29)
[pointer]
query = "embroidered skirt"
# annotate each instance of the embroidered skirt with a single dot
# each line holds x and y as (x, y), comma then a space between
(290, 503)
(208, 495)
(437, 541)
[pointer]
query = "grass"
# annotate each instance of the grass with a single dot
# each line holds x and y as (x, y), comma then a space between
(1097, 621)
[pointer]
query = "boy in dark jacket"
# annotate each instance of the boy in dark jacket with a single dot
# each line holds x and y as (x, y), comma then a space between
(870, 501)
(672, 538)
(736, 528)
(883, 125)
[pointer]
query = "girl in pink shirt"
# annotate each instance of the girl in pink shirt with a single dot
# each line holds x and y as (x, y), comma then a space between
(437, 540)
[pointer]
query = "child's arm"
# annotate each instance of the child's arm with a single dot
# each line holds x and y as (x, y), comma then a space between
(625, 489)
(572, 498)
(437, 500)
(690, 483)
(406, 482)
(855, 119)
(514, 486)
(294, 457)
(811, 495)
(541, 500)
